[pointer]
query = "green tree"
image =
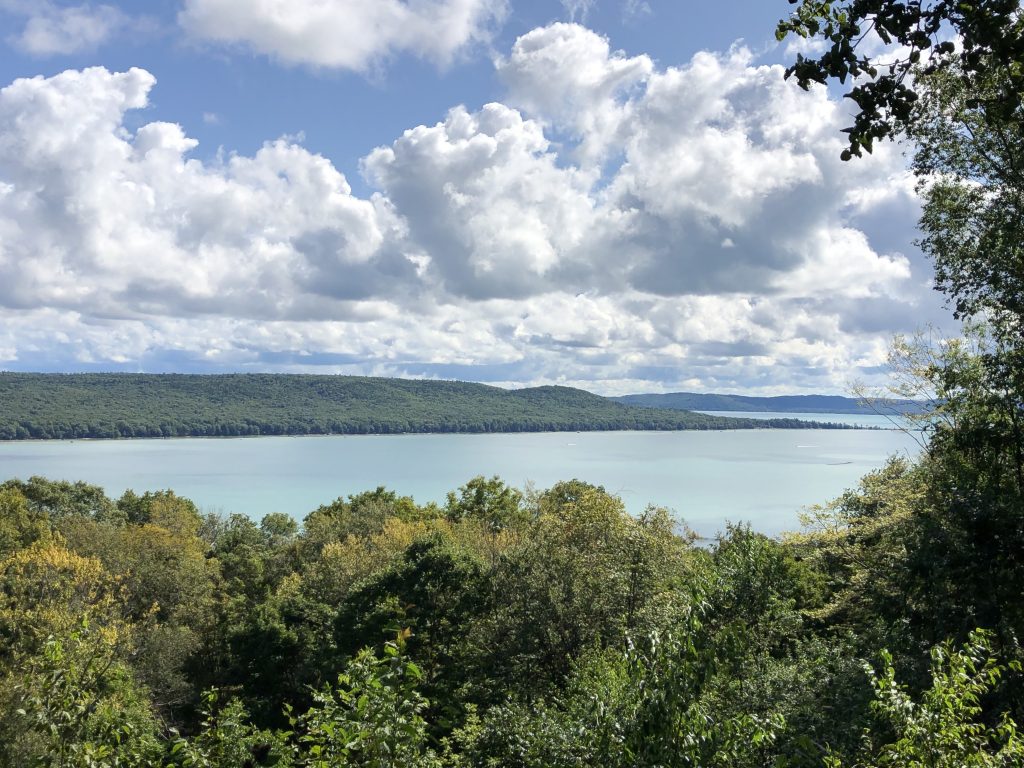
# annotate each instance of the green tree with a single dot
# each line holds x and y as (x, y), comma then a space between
(859, 545)
(167, 582)
(644, 706)
(19, 524)
(990, 35)
(361, 515)
(76, 705)
(163, 508)
(964, 117)
(583, 575)
(57, 499)
(226, 739)
(946, 727)
(373, 718)
(490, 500)
(971, 170)
(438, 593)
(68, 695)
(966, 534)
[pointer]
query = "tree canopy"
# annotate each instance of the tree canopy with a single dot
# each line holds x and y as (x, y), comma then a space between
(969, 38)
(115, 405)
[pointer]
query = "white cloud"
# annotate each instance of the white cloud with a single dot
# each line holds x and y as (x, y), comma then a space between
(345, 34)
(97, 219)
(53, 30)
(567, 75)
(719, 240)
(486, 200)
(578, 9)
(727, 189)
(633, 9)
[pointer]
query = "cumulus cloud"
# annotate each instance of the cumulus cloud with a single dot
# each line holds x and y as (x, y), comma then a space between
(486, 201)
(101, 220)
(611, 225)
(567, 75)
(345, 34)
(710, 192)
(54, 30)
(728, 180)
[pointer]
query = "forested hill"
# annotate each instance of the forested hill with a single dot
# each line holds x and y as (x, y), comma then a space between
(692, 401)
(112, 405)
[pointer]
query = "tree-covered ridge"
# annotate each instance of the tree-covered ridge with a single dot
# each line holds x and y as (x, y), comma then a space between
(113, 405)
(694, 401)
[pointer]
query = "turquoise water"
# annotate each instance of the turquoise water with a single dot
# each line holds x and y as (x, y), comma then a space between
(761, 476)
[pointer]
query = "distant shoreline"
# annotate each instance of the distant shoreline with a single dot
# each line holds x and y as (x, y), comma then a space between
(823, 404)
(808, 426)
(118, 406)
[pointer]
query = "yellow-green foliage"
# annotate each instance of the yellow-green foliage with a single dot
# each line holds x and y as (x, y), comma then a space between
(19, 525)
(65, 686)
(48, 590)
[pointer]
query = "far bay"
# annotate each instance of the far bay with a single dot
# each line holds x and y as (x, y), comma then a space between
(870, 420)
(764, 477)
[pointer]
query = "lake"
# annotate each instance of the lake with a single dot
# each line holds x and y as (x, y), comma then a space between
(764, 477)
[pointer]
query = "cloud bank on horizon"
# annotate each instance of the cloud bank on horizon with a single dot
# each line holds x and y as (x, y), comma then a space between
(608, 223)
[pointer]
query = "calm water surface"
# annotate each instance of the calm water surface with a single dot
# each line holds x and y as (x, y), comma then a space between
(761, 476)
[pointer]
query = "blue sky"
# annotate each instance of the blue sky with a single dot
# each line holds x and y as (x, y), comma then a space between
(619, 195)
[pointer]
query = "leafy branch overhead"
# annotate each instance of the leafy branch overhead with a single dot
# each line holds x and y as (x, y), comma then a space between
(928, 37)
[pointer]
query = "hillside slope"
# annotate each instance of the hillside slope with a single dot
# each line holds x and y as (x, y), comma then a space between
(60, 406)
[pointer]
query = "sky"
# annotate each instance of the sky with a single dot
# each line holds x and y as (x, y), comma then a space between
(620, 195)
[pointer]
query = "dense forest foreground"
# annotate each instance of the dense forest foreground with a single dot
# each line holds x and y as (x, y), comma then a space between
(123, 405)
